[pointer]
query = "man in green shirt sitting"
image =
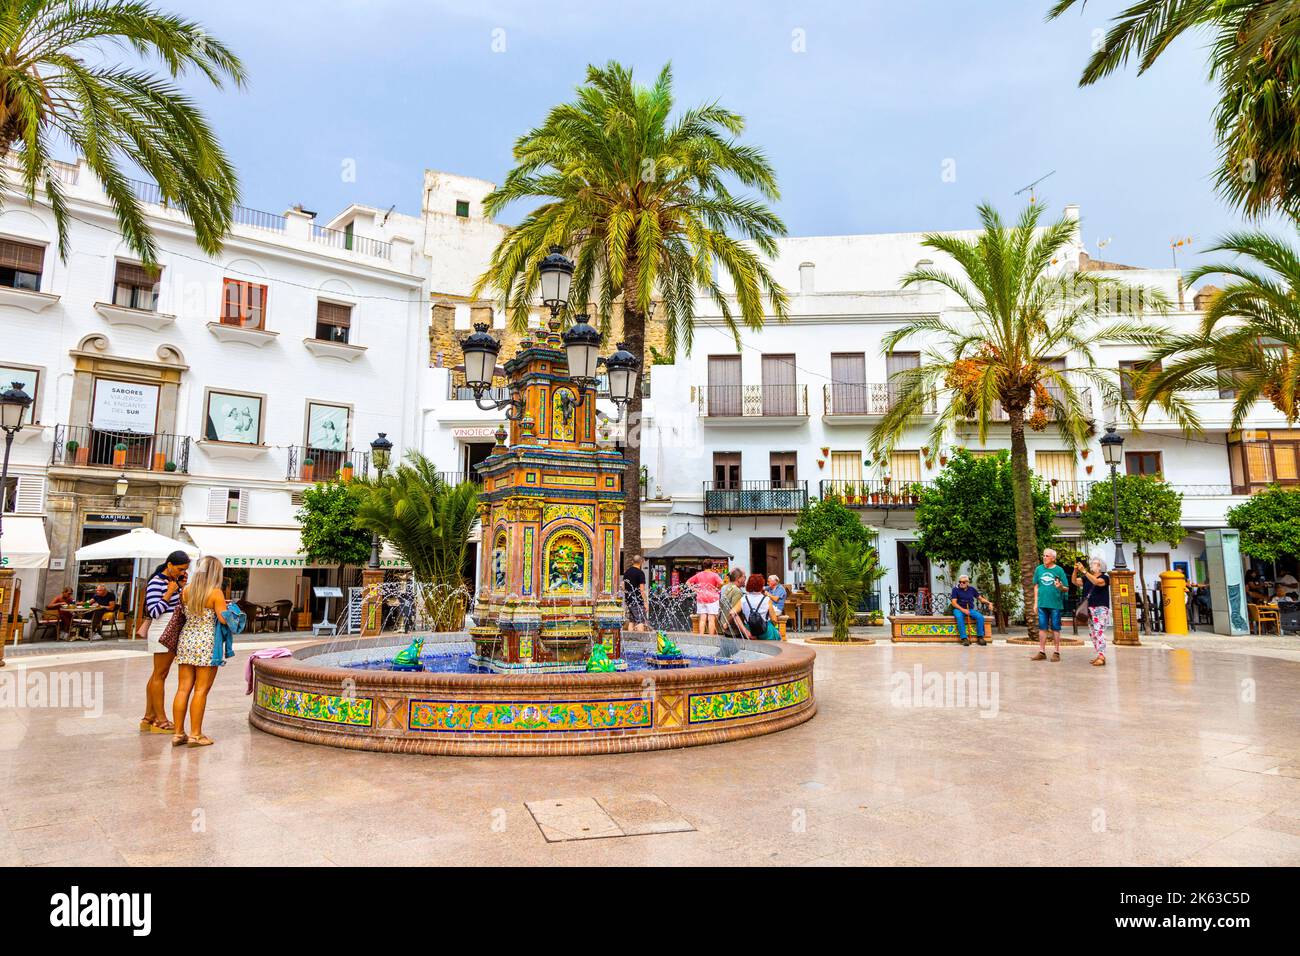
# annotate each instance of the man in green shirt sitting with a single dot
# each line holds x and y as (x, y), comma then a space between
(1052, 584)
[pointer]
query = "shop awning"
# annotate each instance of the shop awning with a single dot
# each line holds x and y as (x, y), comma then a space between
(23, 544)
(275, 548)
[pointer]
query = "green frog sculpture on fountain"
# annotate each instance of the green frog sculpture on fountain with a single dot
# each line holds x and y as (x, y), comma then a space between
(665, 647)
(408, 658)
(599, 662)
(667, 653)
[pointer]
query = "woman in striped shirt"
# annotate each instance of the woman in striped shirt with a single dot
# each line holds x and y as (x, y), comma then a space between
(162, 596)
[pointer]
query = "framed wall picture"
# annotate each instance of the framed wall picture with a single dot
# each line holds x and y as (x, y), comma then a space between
(29, 379)
(327, 427)
(233, 417)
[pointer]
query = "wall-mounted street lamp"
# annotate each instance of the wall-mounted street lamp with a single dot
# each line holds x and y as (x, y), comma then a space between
(119, 489)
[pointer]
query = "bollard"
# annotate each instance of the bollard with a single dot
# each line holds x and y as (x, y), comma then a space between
(1173, 590)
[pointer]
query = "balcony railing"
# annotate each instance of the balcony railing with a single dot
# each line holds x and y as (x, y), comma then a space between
(242, 215)
(338, 239)
(1068, 497)
(463, 393)
(869, 399)
(873, 493)
(754, 401)
(86, 447)
(754, 497)
(325, 465)
(459, 478)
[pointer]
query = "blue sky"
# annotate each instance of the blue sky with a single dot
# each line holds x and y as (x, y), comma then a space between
(858, 125)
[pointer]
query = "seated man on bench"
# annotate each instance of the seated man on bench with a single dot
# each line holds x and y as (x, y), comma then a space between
(965, 601)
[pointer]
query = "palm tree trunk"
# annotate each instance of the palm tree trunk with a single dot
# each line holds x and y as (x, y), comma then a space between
(1026, 539)
(634, 339)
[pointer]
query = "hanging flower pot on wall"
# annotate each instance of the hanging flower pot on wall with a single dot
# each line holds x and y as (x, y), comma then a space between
(1088, 469)
(821, 462)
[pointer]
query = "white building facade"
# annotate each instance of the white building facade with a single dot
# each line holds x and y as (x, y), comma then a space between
(736, 440)
(218, 388)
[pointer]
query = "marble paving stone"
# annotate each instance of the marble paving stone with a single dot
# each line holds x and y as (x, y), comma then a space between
(573, 818)
(637, 814)
(1161, 744)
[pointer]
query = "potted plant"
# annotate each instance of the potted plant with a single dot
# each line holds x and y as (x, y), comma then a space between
(1088, 469)
(345, 473)
(308, 469)
(943, 458)
(169, 466)
(159, 461)
(71, 448)
(119, 454)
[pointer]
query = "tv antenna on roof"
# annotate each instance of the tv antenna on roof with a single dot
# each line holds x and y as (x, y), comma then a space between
(1030, 188)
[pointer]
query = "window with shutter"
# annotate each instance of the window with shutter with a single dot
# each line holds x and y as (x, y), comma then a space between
(135, 287)
(243, 304)
(333, 321)
(30, 498)
(218, 505)
(241, 507)
(21, 265)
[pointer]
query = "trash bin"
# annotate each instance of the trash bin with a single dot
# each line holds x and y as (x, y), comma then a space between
(1173, 591)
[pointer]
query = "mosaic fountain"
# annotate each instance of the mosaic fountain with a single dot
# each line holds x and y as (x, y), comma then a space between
(546, 667)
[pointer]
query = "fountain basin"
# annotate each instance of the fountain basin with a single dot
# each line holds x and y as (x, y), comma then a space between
(321, 696)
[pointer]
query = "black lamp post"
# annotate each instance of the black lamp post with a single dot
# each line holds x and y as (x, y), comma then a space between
(381, 453)
(1112, 449)
(14, 403)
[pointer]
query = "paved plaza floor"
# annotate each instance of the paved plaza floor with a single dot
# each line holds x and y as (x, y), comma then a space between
(1169, 755)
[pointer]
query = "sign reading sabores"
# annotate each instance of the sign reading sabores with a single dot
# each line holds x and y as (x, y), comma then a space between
(125, 407)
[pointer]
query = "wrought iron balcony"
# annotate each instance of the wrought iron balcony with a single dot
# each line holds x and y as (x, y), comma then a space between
(318, 464)
(1069, 497)
(873, 493)
(753, 401)
(86, 447)
(754, 497)
(863, 399)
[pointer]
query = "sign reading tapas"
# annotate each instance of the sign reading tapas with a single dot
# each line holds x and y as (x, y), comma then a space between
(125, 407)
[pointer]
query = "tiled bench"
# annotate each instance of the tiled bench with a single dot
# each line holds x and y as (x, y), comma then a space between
(925, 629)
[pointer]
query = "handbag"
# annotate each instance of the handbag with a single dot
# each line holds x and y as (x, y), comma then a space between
(171, 635)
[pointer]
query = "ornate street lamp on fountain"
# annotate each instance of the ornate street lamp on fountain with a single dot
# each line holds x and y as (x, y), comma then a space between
(581, 346)
(381, 453)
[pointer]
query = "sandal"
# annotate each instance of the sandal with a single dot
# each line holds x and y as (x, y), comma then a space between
(1056, 656)
(202, 740)
(180, 740)
(1040, 656)
(1099, 660)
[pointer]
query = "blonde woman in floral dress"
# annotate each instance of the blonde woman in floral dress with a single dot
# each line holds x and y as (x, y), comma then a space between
(198, 650)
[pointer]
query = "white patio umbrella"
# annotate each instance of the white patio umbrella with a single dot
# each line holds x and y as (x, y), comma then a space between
(138, 544)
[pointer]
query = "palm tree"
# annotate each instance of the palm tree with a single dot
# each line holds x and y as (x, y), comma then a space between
(846, 573)
(1254, 57)
(644, 204)
(428, 520)
(1249, 339)
(1024, 312)
(58, 86)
